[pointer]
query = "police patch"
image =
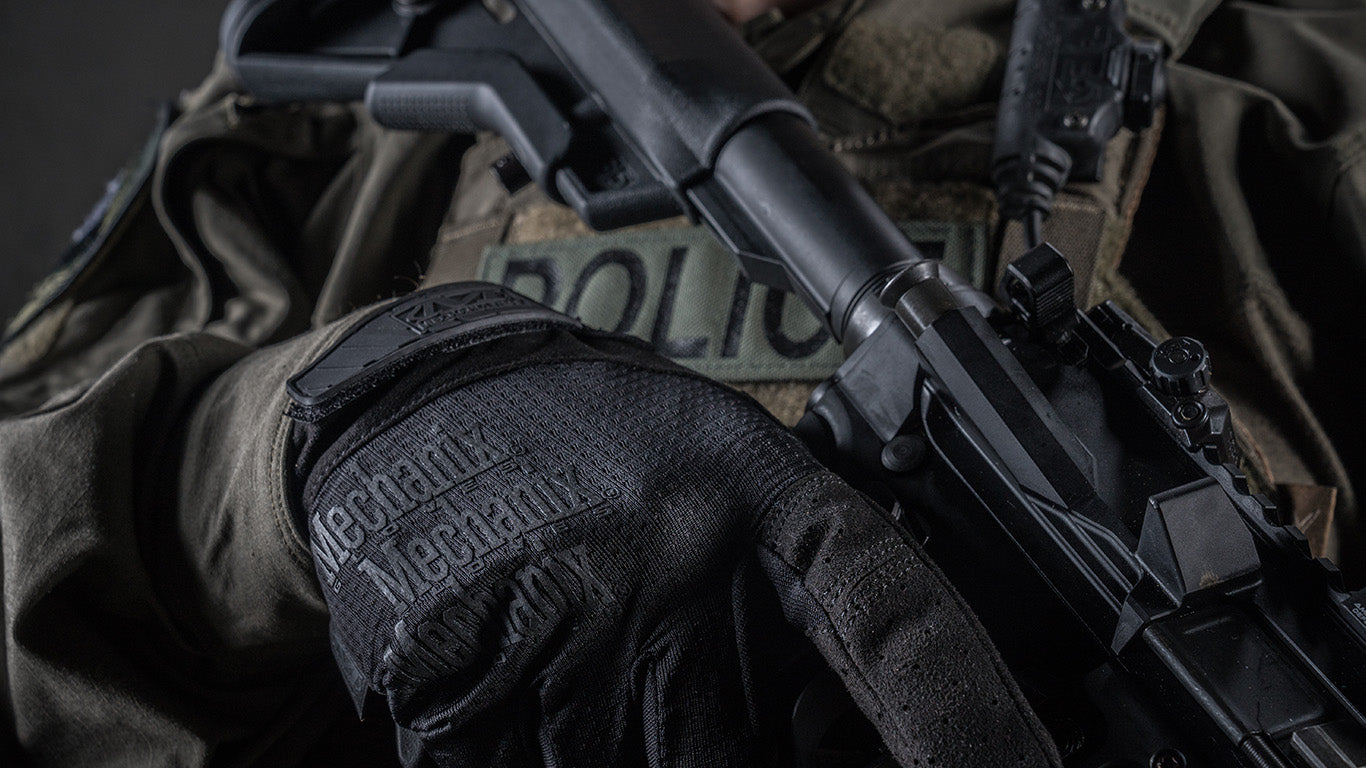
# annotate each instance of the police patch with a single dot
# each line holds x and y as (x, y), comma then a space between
(681, 290)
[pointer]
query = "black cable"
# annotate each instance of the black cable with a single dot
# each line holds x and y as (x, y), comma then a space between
(1033, 227)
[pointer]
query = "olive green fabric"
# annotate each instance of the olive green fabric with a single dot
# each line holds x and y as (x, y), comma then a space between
(1253, 235)
(160, 607)
(257, 225)
(1174, 22)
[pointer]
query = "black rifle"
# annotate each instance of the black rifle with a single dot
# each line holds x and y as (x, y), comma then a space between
(1076, 480)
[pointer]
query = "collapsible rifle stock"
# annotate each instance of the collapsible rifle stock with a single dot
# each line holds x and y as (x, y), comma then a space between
(1078, 481)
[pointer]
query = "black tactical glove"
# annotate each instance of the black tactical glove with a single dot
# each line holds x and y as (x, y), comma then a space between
(548, 546)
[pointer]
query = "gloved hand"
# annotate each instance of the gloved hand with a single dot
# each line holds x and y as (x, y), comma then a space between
(550, 546)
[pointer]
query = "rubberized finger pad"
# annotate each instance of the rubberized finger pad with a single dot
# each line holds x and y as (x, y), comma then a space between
(912, 655)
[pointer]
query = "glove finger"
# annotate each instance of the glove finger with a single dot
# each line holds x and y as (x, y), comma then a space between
(694, 705)
(906, 646)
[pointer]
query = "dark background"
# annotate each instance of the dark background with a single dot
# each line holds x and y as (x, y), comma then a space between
(80, 83)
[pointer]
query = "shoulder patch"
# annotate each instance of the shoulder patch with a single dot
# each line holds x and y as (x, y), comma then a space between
(680, 290)
(94, 231)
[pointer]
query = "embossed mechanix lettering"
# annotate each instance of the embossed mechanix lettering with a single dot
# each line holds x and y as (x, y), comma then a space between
(680, 290)
(407, 568)
(381, 499)
(530, 601)
(463, 544)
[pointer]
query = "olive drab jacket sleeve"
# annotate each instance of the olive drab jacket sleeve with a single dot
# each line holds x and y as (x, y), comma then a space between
(160, 607)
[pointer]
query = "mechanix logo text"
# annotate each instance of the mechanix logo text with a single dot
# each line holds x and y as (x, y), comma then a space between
(383, 498)
(404, 571)
(529, 602)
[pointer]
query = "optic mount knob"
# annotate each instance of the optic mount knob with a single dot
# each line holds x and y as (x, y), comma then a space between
(1180, 367)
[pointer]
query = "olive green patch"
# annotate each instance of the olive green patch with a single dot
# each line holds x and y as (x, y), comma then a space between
(958, 245)
(681, 290)
(909, 72)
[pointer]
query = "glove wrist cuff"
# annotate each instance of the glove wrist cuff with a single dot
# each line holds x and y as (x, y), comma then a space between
(391, 339)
